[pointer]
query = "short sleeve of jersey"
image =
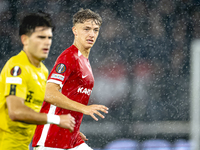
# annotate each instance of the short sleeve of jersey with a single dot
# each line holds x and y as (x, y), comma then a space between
(14, 78)
(62, 69)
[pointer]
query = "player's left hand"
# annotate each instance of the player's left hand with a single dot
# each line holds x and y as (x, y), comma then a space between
(83, 137)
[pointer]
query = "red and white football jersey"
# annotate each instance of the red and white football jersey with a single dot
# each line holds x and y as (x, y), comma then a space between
(72, 71)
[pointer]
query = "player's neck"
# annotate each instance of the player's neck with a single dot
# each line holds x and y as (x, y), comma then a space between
(32, 60)
(84, 52)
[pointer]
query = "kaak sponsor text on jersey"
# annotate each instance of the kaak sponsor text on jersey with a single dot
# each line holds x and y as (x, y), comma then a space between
(84, 90)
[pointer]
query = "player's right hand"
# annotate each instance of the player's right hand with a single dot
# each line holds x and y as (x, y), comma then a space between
(94, 109)
(67, 121)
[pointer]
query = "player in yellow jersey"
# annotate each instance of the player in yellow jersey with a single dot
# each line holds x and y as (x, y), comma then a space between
(23, 83)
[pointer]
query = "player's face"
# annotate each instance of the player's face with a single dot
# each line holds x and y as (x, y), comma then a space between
(86, 33)
(39, 43)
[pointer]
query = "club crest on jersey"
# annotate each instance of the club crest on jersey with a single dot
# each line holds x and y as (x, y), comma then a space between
(15, 71)
(60, 68)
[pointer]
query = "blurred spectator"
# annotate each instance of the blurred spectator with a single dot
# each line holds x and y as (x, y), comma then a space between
(5, 36)
(139, 20)
(53, 7)
(195, 19)
(159, 45)
(140, 91)
(111, 84)
(4, 6)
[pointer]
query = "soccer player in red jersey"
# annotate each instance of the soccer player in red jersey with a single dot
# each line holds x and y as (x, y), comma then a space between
(69, 87)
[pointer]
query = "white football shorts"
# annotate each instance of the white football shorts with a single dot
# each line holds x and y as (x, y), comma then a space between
(82, 146)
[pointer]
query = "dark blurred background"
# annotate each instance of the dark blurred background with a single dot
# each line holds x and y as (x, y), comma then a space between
(140, 62)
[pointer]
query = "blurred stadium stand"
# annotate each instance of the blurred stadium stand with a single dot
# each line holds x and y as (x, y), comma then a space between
(140, 62)
(182, 144)
(122, 144)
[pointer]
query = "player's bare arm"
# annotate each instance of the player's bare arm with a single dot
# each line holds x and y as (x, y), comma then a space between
(18, 111)
(55, 97)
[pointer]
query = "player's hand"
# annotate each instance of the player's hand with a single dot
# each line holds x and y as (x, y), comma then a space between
(67, 121)
(94, 109)
(83, 137)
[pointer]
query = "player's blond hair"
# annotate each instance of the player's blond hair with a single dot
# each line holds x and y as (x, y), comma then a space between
(84, 14)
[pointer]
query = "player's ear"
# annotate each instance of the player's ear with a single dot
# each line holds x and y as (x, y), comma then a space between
(24, 39)
(74, 30)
